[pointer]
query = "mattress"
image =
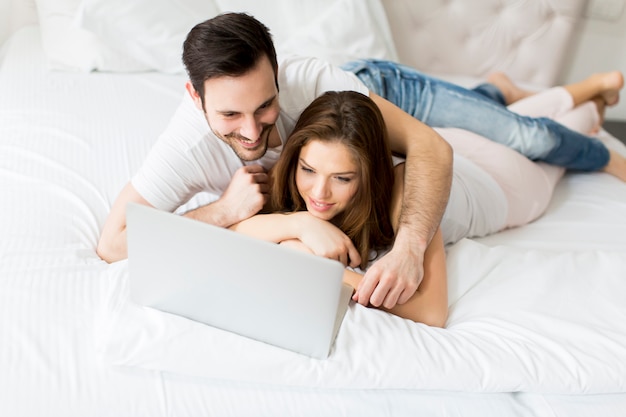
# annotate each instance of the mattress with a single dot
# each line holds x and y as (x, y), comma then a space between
(537, 320)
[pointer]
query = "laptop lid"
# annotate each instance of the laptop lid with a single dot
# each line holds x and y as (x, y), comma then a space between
(234, 282)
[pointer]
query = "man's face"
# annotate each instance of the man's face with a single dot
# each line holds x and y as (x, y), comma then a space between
(242, 110)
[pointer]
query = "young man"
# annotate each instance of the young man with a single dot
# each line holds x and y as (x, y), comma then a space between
(230, 129)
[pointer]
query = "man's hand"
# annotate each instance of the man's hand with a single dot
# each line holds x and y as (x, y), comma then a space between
(393, 278)
(247, 192)
(327, 240)
(245, 196)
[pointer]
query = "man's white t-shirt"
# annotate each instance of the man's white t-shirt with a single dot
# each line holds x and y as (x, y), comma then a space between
(189, 159)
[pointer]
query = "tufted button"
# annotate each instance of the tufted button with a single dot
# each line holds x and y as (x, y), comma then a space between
(496, 8)
(515, 43)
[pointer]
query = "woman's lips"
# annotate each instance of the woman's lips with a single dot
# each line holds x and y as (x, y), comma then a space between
(319, 206)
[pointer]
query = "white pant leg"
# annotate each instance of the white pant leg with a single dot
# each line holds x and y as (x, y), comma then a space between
(528, 186)
(477, 205)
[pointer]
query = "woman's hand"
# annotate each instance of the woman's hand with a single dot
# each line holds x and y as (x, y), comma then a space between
(327, 240)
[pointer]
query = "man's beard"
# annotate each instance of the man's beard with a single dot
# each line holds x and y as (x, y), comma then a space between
(246, 154)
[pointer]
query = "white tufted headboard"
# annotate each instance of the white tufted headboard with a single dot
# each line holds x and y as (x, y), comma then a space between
(529, 40)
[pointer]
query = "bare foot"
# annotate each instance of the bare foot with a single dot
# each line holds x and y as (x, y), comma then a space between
(509, 89)
(616, 165)
(611, 83)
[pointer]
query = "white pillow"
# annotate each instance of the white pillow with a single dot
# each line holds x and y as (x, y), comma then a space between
(349, 29)
(150, 31)
(335, 30)
(282, 17)
(71, 48)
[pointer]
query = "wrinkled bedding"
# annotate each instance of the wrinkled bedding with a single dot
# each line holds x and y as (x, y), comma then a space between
(537, 320)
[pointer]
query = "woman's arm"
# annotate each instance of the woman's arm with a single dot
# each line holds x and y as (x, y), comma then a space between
(274, 227)
(429, 304)
(322, 237)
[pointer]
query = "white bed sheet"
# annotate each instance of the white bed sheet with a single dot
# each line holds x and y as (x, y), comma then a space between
(537, 323)
(520, 320)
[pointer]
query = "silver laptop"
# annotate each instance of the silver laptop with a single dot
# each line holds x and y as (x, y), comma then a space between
(254, 288)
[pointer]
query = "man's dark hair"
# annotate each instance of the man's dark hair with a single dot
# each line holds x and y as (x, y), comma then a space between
(230, 44)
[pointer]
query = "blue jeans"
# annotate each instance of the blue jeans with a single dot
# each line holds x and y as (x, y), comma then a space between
(482, 110)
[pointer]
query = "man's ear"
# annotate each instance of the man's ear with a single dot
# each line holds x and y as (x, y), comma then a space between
(194, 95)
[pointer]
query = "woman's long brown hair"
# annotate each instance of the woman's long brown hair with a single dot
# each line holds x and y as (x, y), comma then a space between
(354, 120)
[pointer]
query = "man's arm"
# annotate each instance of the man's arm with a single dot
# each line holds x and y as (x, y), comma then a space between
(395, 277)
(112, 244)
(245, 196)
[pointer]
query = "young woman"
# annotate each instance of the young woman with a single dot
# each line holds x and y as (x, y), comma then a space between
(336, 166)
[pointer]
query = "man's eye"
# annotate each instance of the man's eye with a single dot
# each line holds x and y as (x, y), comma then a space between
(264, 106)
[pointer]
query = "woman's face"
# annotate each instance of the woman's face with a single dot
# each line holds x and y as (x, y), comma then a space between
(327, 178)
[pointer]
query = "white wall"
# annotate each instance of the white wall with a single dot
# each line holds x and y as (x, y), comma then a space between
(14, 14)
(5, 13)
(601, 46)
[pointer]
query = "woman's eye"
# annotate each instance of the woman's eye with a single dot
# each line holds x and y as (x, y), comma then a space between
(306, 169)
(344, 179)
